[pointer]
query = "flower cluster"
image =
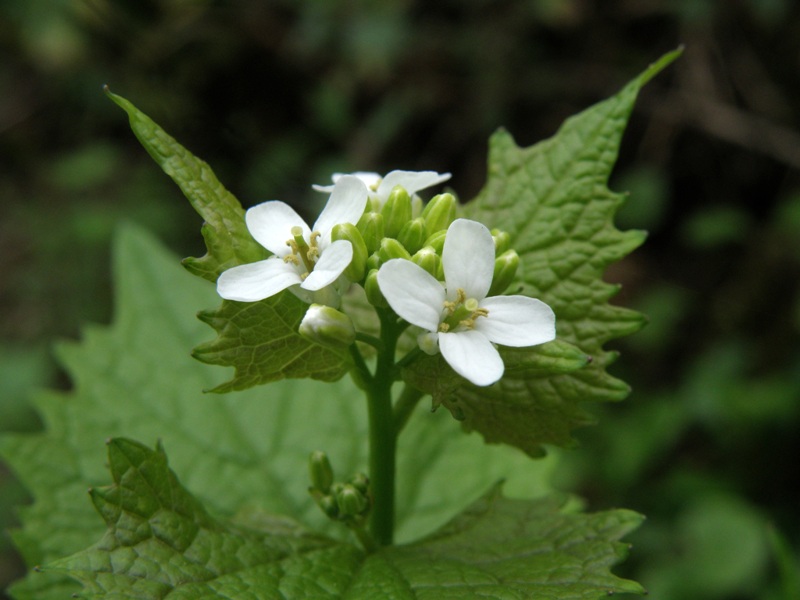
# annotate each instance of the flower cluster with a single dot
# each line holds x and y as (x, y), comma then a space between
(443, 275)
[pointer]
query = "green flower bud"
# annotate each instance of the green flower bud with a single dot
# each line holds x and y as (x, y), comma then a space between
(327, 326)
(372, 230)
(502, 241)
(352, 503)
(413, 235)
(360, 482)
(417, 206)
(436, 241)
(373, 290)
(320, 471)
(391, 248)
(430, 261)
(329, 506)
(373, 262)
(505, 268)
(357, 267)
(397, 211)
(440, 212)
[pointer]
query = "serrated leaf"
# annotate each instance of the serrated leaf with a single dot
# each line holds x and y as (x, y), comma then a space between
(502, 548)
(261, 340)
(228, 242)
(136, 378)
(553, 200)
(161, 542)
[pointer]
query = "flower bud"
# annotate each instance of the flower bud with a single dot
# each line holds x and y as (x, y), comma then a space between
(327, 326)
(329, 506)
(416, 206)
(502, 241)
(397, 211)
(372, 230)
(352, 503)
(429, 260)
(357, 267)
(505, 268)
(413, 235)
(440, 212)
(373, 262)
(436, 241)
(373, 290)
(391, 248)
(360, 482)
(320, 471)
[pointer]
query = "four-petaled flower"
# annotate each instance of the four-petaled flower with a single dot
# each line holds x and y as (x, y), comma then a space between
(303, 256)
(460, 321)
(381, 187)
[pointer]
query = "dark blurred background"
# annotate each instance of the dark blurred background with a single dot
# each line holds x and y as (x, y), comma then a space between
(276, 95)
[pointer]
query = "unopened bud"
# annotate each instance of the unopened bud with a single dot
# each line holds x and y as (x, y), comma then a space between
(436, 241)
(351, 502)
(373, 262)
(327, 326)
(373, 290)
(397, 211)
(505, 269)
(329, 506)
(416, 206)
(372, 230)
(357, 267)
(360, 482)
(320, 471)
(429, 260)
(440, 212)
(413, 235)
(502, 241)
(391, 248)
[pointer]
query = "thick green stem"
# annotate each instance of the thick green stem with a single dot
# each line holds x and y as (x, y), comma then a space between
(383, 434)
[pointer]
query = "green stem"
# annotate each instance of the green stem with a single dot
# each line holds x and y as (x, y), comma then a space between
(360, 373)
(404, 406)
(383, 434)
(369, 339)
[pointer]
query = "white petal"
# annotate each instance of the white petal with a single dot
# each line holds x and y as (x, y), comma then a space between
(468, 259)
(369, 178)
(270, 224)
(346, 205)
(322, 188)
(472, 356)
(256, 281)
(517, 321)
(412, 181)
(412, 293)
(332, 262)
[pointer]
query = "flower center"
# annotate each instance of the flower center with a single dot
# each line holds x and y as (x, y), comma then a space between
(302, 251)
(461, 313)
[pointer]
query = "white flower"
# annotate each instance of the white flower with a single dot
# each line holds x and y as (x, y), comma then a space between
(303, 256)
(381, 187)
(458, 318)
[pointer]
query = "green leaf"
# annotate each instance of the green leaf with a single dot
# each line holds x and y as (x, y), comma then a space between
(553, 200)
(136, 378)
(501, 548)
(261, 340)
(161, 542)
(225, 233)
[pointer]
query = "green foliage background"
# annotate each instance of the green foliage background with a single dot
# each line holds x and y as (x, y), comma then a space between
(277, 95)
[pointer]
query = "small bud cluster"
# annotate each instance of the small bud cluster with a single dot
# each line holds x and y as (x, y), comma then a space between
(348, 501)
